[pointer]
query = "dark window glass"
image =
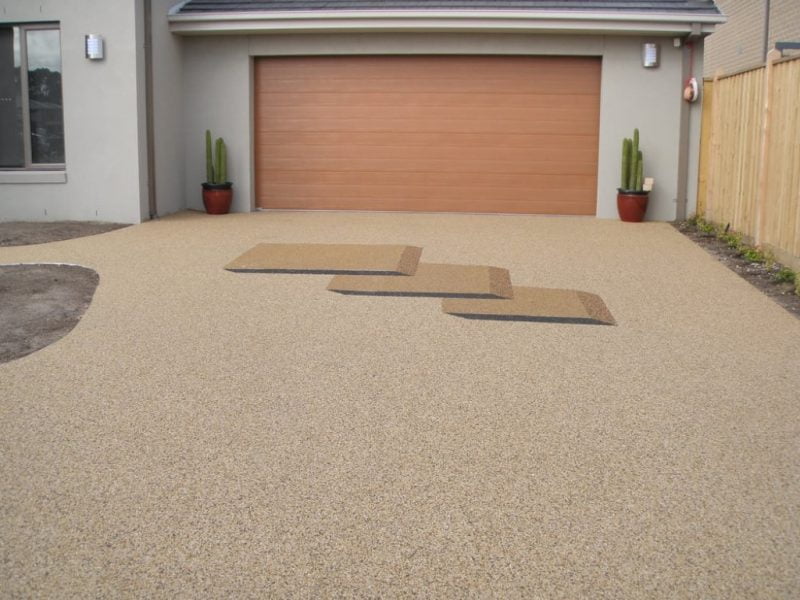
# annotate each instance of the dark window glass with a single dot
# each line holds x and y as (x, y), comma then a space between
(12, 147)
(44, 96)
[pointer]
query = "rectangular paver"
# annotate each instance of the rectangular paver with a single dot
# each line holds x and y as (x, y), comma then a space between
(328, 258)
(536, 304)
(438, 280)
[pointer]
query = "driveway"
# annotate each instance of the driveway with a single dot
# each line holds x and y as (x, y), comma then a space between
(203, 433)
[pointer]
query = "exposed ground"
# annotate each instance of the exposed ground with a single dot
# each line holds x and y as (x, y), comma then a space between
(760, 275)
(40, 304)
(202, 433)
(24, 233)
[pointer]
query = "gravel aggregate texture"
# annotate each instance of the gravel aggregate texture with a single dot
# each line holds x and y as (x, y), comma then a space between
(436, 280)
(204, 434)
(535, 304)
(328, 259)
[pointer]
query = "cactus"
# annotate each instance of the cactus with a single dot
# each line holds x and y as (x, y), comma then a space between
(637, 184)
(209, 162)
(216, 161)
(222, 157)
(626, 162)
(632, 164)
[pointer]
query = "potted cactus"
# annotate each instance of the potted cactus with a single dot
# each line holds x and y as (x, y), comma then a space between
(217, 190)
(631, 196)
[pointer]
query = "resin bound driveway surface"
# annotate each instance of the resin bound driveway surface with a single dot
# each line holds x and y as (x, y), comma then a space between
(203, 433)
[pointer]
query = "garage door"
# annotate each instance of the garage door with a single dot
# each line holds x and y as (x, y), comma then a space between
(423, 133)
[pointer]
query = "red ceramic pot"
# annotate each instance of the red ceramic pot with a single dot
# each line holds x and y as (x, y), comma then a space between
(217, 197)
(632, 205)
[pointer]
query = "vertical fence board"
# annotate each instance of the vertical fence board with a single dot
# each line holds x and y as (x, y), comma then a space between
(729, 171)
(705, 148)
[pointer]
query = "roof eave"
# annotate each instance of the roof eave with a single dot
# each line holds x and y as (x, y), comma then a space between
(485, 21)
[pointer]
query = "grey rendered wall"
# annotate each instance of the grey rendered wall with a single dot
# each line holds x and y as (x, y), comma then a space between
(631, 96)
(216, 88)
(168, 111)
(103, 131)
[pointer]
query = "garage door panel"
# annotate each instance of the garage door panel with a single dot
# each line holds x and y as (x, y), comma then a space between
(394, 85)
(420, 192)
(489, 115)
(525, 182)
(274, 100)
(485, 134)
(429, 67)
(470, 204)
(274, 140)
(425, 125)
(426, 152)
(452, 165)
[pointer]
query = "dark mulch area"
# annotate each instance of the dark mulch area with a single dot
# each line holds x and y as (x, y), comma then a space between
(25, 233)
(758, 274)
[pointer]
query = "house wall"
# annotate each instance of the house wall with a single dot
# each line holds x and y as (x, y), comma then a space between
(784, 21)
(217, 68)
(104, 143)
(739, 44)
(168, 111)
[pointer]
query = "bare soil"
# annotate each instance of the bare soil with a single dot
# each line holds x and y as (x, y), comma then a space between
(760, 275)
(25, 233)
(40, 304)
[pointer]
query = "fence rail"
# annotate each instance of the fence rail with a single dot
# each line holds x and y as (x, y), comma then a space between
(750, 156)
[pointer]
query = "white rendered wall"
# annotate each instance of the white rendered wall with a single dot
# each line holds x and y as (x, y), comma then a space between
(103, 122)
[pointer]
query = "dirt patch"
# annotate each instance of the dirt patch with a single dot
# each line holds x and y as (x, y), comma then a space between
(25, 233)
(759, 275)
(40, 304)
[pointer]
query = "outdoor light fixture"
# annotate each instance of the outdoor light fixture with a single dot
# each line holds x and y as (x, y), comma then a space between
(650, 55)
(95, 47)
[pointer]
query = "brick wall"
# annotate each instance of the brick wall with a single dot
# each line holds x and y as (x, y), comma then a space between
(784, 21)
(739, 43)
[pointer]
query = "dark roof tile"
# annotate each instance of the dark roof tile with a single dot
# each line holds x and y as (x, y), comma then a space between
(697, 7)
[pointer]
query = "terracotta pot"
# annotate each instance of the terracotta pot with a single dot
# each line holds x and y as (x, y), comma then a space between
(632, 205)
(217, 197)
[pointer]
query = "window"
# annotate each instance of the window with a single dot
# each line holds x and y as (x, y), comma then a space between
(31, 109)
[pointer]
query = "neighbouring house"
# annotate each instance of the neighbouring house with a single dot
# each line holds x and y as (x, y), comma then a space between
(753, 28)
(507, 106)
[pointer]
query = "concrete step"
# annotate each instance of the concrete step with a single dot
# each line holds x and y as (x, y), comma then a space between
(535, 304)
(355, 259)
(435, 280)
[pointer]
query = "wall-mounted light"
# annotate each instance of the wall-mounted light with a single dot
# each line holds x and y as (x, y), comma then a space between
(95, 47)
(650, 55)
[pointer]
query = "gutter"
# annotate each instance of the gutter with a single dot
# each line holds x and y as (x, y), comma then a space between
(434, 20)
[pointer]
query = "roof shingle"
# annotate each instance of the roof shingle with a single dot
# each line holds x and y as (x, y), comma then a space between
(696, 7)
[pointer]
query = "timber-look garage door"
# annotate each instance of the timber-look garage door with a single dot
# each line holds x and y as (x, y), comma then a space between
(502, 134)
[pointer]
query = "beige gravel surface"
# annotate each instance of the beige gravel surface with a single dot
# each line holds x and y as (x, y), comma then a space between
(206, 434)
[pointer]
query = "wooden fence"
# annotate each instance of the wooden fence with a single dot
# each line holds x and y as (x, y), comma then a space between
(750, 156)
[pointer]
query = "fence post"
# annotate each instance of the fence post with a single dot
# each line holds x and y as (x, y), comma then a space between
(714, 150)
(763, 160)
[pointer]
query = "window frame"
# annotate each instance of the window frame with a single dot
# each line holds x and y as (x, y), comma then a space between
(27, 151)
